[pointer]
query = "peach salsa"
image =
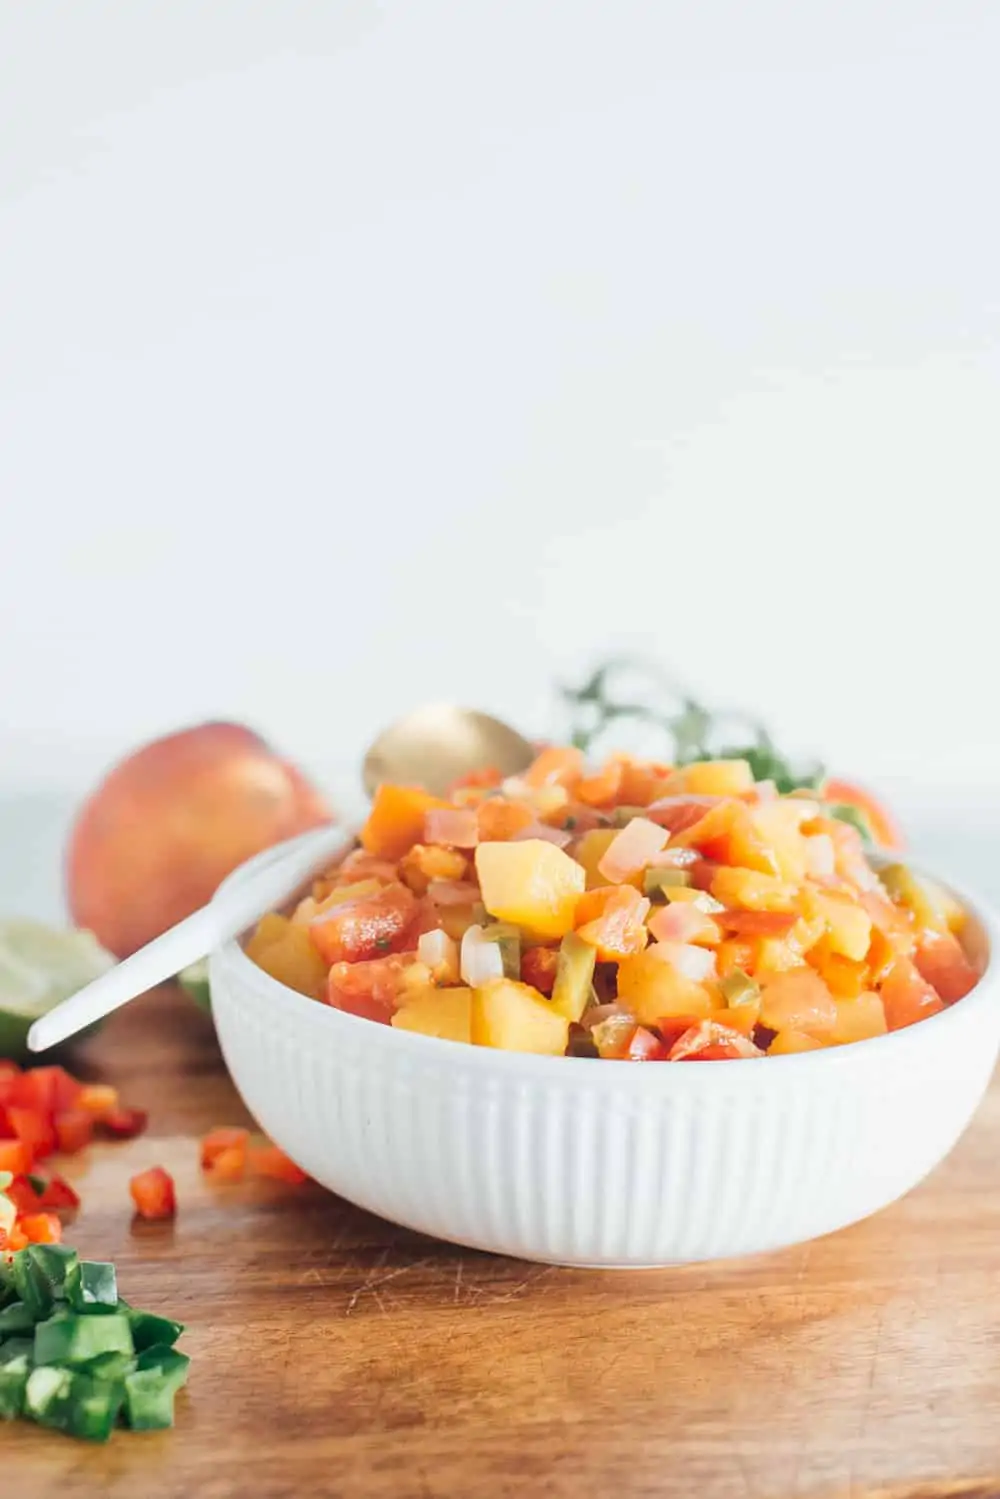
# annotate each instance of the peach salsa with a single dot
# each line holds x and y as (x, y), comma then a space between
(637, 912)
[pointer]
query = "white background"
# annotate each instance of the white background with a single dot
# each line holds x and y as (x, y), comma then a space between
(353, 355)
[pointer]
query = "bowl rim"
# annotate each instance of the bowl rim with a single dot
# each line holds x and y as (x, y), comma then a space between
(418, 1047)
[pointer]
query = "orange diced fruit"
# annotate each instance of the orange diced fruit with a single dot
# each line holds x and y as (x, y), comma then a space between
(718, 777)
(797, 1000)
(396, 820)
(754, 891)
(858, 1019)
(444, 1013)
(531, 883)
(941, 960)
(651, 987)
(788, 1042)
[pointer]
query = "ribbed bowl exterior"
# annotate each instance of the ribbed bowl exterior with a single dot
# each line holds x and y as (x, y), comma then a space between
(601, 1163)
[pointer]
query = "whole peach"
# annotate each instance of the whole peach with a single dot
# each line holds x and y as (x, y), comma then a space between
(166, 826)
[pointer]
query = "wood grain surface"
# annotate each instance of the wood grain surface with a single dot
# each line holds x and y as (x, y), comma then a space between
(335, 1354)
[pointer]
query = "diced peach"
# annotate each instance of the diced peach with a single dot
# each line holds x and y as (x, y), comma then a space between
(787, 1043)
(292, 959)
(779, 824)
(589, 850)
(848, 925)
(858, 1019)
(712, 1041)
(445, 1013)
(396, 820)
(718, 777)
(515, 1017)
(754, 891)
(798, 1000)
(650, 987)
(531, 883)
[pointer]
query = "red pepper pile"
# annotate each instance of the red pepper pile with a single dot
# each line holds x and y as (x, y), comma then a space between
(44, 1111)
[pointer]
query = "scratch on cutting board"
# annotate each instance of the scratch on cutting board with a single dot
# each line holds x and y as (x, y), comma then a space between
(376, 1280)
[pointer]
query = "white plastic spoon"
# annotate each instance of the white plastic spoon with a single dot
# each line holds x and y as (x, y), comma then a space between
(222, 919)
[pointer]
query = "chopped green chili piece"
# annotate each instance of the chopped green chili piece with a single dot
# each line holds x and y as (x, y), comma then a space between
(16, 1318)
(508, 939)
(91, 1284)
(14, 1374)
(149, 1331)
(54, 1261)
(574, 976)
(74, 1339)
(738, 988)
(657, 879)
(845, 812)
(108, 1366)
(150, 1389)
(32, 1285)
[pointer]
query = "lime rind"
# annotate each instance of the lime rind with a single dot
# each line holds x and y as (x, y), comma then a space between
(40, 966)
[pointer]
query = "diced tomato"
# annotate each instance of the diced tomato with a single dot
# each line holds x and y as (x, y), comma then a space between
(645, 1046)
(612, 919)
(941, 960)
(712, 1042)
(222, 1139)
(13, 1239)
(97, 1099)
(35, 1129)
(757, 923)
(41, 1228)
(538, 968)
(74, 1130)
(44, 1089)
(23, 1195)
(268, 1160)
(369, 989)
(678, 814)
(907, 996)
(124, 1123)
(59, 1194)
(367, 927)
(15, 1157)
(153, 1193)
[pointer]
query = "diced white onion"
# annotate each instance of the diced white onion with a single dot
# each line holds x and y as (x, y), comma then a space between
(559, 836)
(821, 861)
(639, 841)
(481, 959)
(440, 953)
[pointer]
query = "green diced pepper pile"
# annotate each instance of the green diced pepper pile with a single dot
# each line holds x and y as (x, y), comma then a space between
(74, 1355)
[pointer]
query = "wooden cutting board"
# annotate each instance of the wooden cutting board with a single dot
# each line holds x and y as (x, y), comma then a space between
(335, 1354)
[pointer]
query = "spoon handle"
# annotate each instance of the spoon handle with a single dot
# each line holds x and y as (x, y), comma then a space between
(272, 880)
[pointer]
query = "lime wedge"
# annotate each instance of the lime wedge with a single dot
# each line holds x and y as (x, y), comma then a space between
(39, 967)
(194, 981)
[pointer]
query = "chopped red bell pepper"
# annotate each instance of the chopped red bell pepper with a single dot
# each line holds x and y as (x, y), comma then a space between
(74, 1130)
(124, 1123)
(97, 1099)
(34, 1129)
(153, 1193)
(268, 1160)
(223, 1140)
(23, 1195)
(15, 1157)
(58, 1194)
(41, 1228)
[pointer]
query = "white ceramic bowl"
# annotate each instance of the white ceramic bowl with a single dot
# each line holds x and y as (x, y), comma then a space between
(586, 1162)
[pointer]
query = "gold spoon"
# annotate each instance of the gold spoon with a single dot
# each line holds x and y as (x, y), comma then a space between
(435, 745)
